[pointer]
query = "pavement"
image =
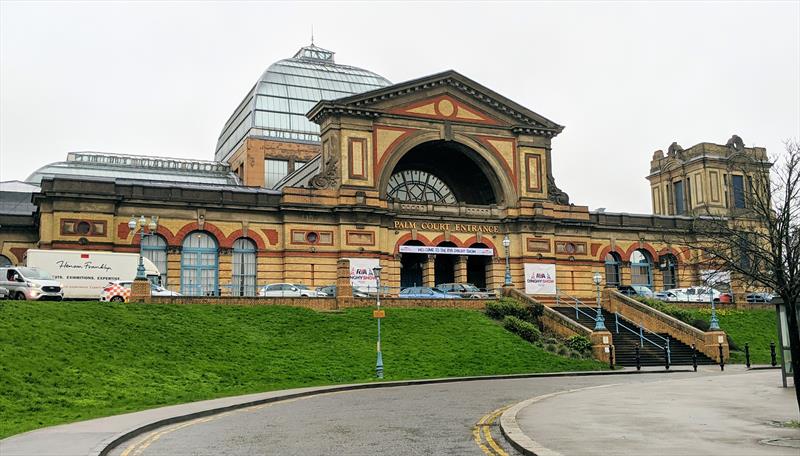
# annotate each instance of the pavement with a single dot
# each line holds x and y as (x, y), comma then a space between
(733, 414)
(430, 415)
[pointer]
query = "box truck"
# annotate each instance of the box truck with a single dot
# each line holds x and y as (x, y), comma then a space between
(84, 273)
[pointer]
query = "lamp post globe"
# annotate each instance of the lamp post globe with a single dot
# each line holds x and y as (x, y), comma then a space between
(714, 325)
(506, 244)
(379, 363)
(599, 323)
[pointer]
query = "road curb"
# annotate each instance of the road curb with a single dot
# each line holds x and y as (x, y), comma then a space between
(107, 445)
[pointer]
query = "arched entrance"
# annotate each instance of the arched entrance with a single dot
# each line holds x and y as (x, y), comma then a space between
(444, 267)
(443, 172)
(199, 265)
(477, 266)
(411, 265)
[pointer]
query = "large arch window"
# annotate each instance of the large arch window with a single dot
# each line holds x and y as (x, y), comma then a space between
(199, 265)
(244, 268)
(154, 248)
(669, 270)
(641, 268)
(612, 269)
(419, 186)
(4, 261)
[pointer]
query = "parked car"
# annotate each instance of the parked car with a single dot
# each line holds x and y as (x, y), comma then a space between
(25, 283)
(635, 290)
(666, 295)
(288, 290)
(120, 291)
(425, 293)
(330, 290)
(463, 290)
(758, 297)
(700, 294)
(4, 293)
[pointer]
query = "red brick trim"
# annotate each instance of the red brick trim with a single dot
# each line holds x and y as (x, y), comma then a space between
(353, 173)
(272, 235)
(643, 246)
(407, 237)
(607, 249)
(251, 234)
(474, 240)
(484, 140)
(222, 240)
(19, 252)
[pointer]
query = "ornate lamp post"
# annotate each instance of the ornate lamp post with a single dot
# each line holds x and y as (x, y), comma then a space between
(599, 324)
(142, 223)
(714, 326)
(379, 364)
(506, 244)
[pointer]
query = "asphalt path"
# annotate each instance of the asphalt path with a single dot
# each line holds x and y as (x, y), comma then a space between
(441, 419)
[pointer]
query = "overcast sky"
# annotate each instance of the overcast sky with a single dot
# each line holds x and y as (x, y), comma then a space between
(624, 78)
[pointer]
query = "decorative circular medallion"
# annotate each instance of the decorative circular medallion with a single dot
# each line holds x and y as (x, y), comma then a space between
(446, 108)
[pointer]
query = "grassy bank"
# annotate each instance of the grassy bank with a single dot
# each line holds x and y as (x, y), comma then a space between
(754, 327)
(62, 362)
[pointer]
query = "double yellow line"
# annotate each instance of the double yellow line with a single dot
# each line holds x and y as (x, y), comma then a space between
(482, 433)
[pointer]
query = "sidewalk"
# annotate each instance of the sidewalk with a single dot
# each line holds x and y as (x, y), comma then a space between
(732, 414)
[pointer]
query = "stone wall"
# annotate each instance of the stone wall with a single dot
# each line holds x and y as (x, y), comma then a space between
(327, 303)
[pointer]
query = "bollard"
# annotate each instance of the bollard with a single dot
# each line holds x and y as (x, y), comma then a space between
(772, 354)
(666, 357)
(694, 358)
(638, 359)
(611, 357)
(747, 355)
(721, 359)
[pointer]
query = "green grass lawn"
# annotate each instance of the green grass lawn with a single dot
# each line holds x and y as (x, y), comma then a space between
(754, 327)
(62, 362)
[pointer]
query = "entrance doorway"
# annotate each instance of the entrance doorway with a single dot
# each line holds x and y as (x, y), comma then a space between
(445, 266)
(411, 267)
(476, 267)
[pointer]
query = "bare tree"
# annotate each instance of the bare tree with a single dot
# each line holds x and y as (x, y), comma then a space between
(760, 243)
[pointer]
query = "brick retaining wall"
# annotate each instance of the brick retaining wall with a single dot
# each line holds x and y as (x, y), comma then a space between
(326, 303)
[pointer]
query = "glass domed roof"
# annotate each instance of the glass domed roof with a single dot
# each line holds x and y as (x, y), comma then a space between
(275, 107)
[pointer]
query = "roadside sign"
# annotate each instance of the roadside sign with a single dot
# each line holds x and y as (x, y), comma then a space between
(378, 313)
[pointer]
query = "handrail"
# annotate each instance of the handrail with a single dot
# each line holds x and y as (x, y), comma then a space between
(578, 302)
(642, 337)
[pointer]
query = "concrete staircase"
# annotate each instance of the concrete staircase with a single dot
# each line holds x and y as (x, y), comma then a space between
(625, 342)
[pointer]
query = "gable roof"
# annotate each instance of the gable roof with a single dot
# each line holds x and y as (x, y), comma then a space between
(359, 105)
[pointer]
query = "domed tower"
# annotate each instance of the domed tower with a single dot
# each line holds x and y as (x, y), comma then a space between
(268, 136)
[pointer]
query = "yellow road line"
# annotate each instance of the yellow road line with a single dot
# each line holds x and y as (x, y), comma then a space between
(484, 426)
(137, 448)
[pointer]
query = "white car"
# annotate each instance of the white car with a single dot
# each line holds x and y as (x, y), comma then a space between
(696, 294)
(288, 290)
(120, 291)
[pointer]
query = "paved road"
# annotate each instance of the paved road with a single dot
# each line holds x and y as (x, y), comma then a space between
(410, 420)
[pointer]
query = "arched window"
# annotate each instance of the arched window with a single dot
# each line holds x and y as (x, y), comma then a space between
(4, 261)
(243, 280)
(154, 248)
(669, 270)
(641, 268)
(612, 269)
(199, 265)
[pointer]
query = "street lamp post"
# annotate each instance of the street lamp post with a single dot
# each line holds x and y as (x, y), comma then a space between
(141, 223)
(714, 326)
(599, 324)
(379, 364)
(506, 244)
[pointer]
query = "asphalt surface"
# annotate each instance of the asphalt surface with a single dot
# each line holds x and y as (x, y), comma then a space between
(440, 419)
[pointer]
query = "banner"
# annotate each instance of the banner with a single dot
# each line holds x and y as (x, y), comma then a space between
(361, 274)
(712, 277)
(540, 278)
(445, 250)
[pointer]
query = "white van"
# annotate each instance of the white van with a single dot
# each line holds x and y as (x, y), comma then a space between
(84, 273)
(30, 284)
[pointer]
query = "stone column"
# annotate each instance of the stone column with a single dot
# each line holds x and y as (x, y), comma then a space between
(460, 269)
(140, 291)
(343, 287)
(601, 345)
(429, 272)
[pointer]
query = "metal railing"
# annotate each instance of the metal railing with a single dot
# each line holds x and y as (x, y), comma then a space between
(200, 290)
(578, 303)
(643, 338)
(641, 330)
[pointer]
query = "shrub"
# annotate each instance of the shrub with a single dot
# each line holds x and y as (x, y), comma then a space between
(700, 324)
(522, 328)
(563, 351)
(579, 343)
(508, 307)
(733, 346)
(550, 347)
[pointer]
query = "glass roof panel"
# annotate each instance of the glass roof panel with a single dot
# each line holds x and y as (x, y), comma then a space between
(288, 89)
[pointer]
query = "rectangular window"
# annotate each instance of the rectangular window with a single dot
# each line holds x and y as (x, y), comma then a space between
(274, 170)
(680, 207)
(737, 183)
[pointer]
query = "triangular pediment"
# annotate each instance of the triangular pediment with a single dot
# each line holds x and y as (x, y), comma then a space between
(444, 96)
